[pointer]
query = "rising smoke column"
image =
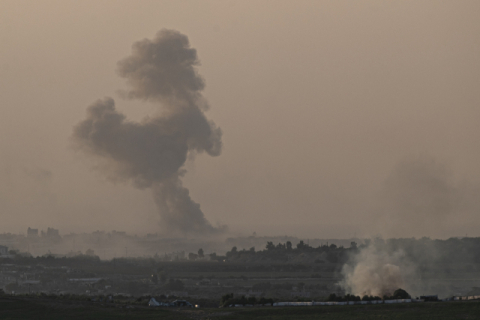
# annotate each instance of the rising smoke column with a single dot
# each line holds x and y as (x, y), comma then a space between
(374, 271)
(418, 197)
(152, 153)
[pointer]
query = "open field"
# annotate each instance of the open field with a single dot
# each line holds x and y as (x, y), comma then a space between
(20, 308)
(424, 311)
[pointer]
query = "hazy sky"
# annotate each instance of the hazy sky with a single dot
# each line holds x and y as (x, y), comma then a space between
(339, 118)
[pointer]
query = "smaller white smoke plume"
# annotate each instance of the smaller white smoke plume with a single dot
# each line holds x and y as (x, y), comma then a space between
(375, 271)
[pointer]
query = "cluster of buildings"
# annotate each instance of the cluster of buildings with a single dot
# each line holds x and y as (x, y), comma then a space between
(51, 233)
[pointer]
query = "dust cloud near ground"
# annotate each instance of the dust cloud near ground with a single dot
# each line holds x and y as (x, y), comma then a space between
(376, 271)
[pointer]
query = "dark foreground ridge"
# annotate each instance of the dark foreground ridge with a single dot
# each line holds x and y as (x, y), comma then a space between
(44, 308)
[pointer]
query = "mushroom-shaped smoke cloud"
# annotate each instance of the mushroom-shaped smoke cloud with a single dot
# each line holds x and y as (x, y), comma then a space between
(151, 153)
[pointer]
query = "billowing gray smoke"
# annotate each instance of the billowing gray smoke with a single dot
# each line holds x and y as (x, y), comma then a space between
(151, 153)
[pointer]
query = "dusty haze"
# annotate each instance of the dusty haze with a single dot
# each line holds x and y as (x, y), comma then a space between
(337, 118)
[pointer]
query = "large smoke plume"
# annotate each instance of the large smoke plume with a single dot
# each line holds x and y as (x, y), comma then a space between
(152, 153)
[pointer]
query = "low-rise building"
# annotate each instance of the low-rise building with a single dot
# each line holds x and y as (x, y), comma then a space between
(32, 232)
(3, 250)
